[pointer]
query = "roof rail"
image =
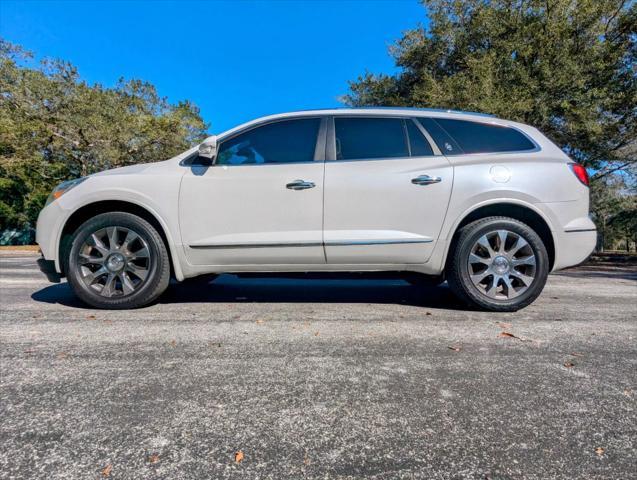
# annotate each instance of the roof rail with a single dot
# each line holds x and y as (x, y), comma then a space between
(418, 109)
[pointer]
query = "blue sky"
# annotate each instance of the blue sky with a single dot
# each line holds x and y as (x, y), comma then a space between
(236, 60)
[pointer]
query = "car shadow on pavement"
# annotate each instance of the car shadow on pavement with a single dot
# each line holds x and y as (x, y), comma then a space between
(230, 289)
(588, 272)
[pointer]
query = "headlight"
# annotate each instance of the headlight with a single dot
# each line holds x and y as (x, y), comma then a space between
(62, 188)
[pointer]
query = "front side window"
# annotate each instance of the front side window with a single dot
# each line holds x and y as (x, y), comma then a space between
(288, 141)
(474, 137)
(366, 138)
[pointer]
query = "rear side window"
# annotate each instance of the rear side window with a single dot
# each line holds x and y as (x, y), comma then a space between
(280, 142)
(363, 138)
(474, 137)
(445, 143)
(418, 144)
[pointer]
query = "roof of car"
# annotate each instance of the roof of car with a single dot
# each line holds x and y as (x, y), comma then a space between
(416, 112)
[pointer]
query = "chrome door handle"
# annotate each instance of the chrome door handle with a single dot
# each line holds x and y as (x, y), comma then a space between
(425, 180)
(300, 185)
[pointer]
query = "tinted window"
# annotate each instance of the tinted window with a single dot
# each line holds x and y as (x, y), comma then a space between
(476, 137)
(445, 143)
(359, 138)
(279, 142)
(417, 142)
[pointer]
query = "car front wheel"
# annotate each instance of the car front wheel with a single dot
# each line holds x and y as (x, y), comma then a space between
(117, 260)
(498, 264)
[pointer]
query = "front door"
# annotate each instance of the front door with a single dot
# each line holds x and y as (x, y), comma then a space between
(262, 200)
(386, 192)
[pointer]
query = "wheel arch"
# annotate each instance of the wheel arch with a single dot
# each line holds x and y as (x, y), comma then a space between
(84, 212)
(518, 211)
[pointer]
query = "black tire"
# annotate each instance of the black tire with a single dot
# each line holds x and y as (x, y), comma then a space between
(158, 263)
(458, 274)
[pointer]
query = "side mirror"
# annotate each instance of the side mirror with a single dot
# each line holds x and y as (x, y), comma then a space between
(208, 149)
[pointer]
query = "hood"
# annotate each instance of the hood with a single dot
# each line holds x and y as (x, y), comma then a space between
(142, 167)
(131, 169)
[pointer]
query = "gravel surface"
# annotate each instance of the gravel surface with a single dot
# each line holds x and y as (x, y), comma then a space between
(318, 379)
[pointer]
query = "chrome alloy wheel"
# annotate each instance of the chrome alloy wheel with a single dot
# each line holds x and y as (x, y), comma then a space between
(502, 265)
(114, 261)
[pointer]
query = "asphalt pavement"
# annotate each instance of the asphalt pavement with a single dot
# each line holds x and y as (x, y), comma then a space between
(329, 378)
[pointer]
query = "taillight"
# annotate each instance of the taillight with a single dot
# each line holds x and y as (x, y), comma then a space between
(580, 172)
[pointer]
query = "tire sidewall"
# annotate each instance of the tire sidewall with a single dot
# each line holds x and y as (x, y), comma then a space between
(539, 250)
(140, 227)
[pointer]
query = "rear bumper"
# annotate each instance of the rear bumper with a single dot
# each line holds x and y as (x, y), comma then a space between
(48, 268)
(573, 247)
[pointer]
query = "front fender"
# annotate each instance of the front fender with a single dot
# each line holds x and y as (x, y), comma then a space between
(162, 210)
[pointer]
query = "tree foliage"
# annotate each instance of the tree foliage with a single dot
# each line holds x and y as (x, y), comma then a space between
(614, 209)
(567, 67)
(54, 126)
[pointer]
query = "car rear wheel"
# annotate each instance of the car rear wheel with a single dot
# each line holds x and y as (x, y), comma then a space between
(498, 264)
(117, 261)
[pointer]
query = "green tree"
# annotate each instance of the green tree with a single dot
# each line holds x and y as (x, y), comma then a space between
(614, 209)
(567, 67)
(54, 126)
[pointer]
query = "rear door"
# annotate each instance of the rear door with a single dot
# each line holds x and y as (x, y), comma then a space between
(387, 188)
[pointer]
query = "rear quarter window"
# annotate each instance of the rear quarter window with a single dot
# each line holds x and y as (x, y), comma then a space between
(474, 137)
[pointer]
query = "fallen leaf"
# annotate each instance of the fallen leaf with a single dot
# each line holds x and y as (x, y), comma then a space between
(106, 471)
(259, 321)
(427, 313)
(508, 335)
(455, 349)
(569, 364)
(306, 461)
(316, 334)
(173, 343)
(576, 354)
(238, 456)
(154, 458)
(599, 451)
(90, 317)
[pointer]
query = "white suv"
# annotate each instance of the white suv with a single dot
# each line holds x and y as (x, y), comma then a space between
(487, 204)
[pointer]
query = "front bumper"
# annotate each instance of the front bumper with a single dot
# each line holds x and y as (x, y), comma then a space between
(50, 223)
(48, 268)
